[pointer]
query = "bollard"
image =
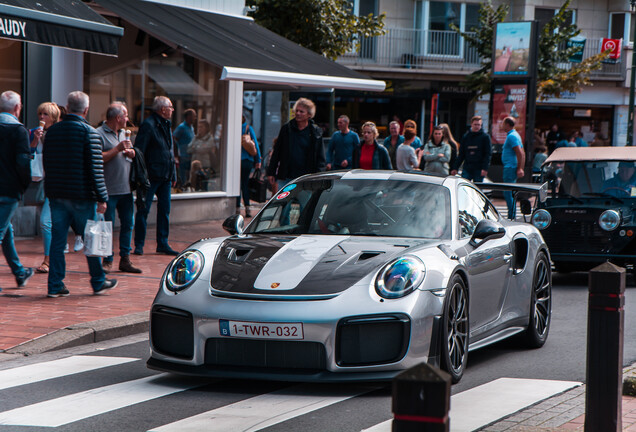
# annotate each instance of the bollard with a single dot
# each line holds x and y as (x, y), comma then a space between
(421, 400)
(605, 329)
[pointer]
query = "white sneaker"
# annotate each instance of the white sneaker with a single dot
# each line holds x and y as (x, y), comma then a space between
(79, 244)
(66, 249)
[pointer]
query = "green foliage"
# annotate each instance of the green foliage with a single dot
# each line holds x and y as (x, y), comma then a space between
(327, 27)
(555, 74)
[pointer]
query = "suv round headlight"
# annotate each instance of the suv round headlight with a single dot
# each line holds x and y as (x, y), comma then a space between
(541, 219)
(184, 270)
(609, 220)
(400, 277)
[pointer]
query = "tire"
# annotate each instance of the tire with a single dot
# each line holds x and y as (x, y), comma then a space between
(540, 304)
(454, 350)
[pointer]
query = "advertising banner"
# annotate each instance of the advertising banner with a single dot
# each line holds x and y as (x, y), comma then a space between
(512, 51)
(614, 45)
(509, 100)
(580, 44)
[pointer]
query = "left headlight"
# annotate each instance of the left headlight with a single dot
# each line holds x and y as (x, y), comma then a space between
(400, 277)
(609, 220)
(184, 270)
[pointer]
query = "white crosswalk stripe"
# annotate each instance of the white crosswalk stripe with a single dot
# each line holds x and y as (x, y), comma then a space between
(470, 410)
(78, 406)
(265, 410)
(57, 368)
(482, 405)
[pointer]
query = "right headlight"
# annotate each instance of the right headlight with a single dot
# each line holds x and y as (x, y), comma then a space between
(400, 277)
(541, 219)
(184, 270)
(609, 220)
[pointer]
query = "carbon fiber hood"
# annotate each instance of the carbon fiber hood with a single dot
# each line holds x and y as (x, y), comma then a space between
(300, 266)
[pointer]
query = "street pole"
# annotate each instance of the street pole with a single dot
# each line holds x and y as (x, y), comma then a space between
(630, 123)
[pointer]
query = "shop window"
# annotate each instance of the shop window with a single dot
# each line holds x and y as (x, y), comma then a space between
(146, 68)
(433, 21)
(10, 65)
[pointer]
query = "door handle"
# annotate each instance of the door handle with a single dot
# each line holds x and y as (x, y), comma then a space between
(507, 257)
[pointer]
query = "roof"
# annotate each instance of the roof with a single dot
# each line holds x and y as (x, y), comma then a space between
(581, 154)
(246, 51)
(63, 23)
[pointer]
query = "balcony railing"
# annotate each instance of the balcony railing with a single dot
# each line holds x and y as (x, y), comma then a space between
(608, 70)
(437, 50)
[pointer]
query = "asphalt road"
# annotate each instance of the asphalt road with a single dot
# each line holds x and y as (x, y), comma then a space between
(562, 358)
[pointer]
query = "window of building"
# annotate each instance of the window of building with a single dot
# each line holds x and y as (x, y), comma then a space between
(620, 26)
(146, 68)
(543, 15)
(433, 20)
(10, 65)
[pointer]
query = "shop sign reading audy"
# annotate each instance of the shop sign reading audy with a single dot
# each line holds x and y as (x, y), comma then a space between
(11, 27)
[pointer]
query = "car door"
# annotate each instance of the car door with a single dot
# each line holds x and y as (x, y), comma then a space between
(488, 264)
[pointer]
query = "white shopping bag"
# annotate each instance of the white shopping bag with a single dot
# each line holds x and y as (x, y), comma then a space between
(98, 237)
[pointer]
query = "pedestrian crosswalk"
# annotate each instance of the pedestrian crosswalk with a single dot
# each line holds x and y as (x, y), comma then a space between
(470, 409)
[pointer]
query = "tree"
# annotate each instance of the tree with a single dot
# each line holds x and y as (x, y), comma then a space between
(328, 27)
(555, 73)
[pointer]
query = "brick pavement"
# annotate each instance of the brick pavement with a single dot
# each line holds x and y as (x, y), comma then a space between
(27, 314)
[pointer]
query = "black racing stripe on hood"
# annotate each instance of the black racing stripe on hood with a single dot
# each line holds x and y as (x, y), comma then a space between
(240, 260)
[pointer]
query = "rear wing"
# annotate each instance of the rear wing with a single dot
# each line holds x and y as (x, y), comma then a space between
(540, 190)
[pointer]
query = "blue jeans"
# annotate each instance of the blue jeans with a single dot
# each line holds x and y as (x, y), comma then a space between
(184, 169)
(66, 213)
(510, 176)
(162, 190)
(45, 226)
(473, 174)
(7, 209)
(124, 206)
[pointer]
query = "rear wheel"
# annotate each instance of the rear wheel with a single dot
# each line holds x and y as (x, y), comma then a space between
(455, 329)
(540, 303)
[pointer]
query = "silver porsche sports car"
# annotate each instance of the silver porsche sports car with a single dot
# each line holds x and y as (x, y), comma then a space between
(353, 276)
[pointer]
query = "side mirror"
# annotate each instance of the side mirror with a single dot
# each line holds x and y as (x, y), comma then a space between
(526, 207)
(486, 230)
(234, 224)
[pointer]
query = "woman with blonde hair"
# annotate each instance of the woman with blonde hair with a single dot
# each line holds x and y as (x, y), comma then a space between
(370, 154)
(454, 145)
(48, 114)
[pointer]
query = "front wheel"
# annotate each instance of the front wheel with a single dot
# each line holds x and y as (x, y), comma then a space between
(455, 329)
(540, 303)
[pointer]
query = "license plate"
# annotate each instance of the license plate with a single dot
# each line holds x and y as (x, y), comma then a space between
(260, 330)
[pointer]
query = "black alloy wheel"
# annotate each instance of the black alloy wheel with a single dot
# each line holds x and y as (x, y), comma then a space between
(540, 304)
(455, 329)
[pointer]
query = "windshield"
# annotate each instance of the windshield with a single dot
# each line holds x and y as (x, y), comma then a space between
(358, 207)
(591, 178)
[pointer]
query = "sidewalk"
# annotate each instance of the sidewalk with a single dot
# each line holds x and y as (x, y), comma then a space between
(30, 322)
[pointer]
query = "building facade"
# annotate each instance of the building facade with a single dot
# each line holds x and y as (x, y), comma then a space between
(424, 63)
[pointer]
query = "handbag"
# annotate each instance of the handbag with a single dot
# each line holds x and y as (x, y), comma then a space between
(37, 167)
(34, 194)
(258, 187)
(248, 143)
(98, 237)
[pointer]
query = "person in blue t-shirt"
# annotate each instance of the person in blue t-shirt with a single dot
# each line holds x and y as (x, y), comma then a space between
(183, 136)
(342, 145)
(623, 184)
(513, 159)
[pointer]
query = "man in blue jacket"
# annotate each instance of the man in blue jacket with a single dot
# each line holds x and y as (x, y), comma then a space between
(76, 189)
(15, 176)
(155, 142)
(342, 144)
(475, 151)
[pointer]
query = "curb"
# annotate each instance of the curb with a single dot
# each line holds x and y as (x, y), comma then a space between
(85, 333)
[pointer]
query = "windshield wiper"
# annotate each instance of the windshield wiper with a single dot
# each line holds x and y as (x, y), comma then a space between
(604, 195)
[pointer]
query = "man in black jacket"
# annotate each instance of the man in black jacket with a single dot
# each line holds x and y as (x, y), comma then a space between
(154, 139)
(15, 176)
(75, 187)
(475, 152)
(298, 149)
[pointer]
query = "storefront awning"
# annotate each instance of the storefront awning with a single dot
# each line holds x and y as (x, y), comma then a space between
(246, 51)
(62, 23)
